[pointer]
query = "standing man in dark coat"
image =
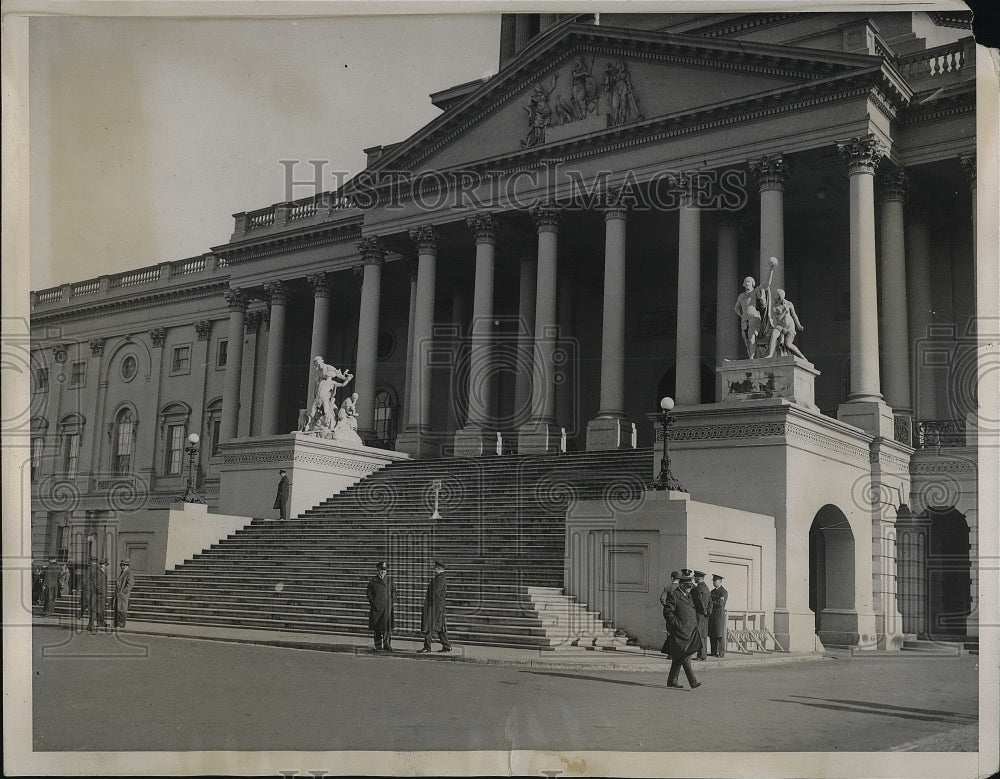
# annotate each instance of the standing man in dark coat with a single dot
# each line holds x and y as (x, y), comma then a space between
(682, 624)
(381, 603)
(702, 597)
(717, 617)
(123, 588)
(282, 496)
(97, 595)
(433, 618)
(50, 586)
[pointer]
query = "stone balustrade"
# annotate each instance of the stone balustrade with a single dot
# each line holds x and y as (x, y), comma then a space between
(938, 61)
(280, 214)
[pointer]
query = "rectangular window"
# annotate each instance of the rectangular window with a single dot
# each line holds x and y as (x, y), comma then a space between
(181, 361)
(36, 456)
(79, 375)
(216, 429)
(222, 354)
(42, 380)
(126, 439)
(72, 453)
(175, 449)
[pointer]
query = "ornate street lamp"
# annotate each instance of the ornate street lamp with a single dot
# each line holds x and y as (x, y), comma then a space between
(191, 495)
(665, 479)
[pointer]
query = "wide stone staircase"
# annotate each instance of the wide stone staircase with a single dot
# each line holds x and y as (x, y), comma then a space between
(500, 534)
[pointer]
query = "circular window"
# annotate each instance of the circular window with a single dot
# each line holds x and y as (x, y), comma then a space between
(130, 367)
(386, 343)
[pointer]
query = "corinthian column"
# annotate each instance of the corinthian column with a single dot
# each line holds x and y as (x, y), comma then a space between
(373, 255)
(472, 440)
(416, 439)
(237, 301)
(894, 333)
(609, 430)
(320, 283)
(865, 407)
(541, 434)
(277, 294)
(771, 174)
(688, 350)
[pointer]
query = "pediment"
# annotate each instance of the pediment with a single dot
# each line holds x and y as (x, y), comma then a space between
(586, 81)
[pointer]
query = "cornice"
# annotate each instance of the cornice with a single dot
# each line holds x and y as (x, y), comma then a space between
(209, 289)
(943, 108)
(300, 238)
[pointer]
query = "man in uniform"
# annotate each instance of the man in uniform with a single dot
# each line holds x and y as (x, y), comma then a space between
(281, 498)
(433, 618)
(381, 602)
(123, 588)
(717, 617)
(682, 625)
(702, 597)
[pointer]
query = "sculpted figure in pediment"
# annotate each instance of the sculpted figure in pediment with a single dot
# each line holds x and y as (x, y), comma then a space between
(539, 113)
(584, 98)
(623, 107)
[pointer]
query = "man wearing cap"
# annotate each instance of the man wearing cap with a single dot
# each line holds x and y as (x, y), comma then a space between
(702, 597)
(682, 625)
(97, 595)
(123, 588)
(50, 586)
(432, 620)
(717, 617)
(381, 602)
(281, 498)
(674, 577)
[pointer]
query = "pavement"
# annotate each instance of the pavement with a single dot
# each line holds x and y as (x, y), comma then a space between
(630, 658)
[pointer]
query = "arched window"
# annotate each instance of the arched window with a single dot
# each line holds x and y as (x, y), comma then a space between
(70, 435)
(124, 441)
(174, 420)
(213, 424)
(38, 429)
(385, 418)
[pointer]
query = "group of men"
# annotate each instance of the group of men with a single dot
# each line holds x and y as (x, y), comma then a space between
(381, 607)
(53, 581)
(94, 593)
(693, 613)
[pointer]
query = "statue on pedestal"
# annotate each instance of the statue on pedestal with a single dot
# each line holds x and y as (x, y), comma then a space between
(347, 421)
(784, 322)
(749, 306)
(322, 414)
(765, 336)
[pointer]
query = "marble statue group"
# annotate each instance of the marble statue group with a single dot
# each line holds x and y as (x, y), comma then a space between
(768, 320)
(324, 418)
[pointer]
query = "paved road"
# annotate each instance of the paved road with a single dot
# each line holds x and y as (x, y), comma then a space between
(153, 693)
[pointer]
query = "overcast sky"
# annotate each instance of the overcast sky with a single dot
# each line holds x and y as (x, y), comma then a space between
(148, 134)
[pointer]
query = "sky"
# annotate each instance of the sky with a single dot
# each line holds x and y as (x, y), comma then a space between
(146, 135)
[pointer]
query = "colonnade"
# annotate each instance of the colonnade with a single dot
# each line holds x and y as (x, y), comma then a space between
(880, 345)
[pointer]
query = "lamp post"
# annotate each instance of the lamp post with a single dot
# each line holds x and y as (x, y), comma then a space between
(665, 479)
(190, 494)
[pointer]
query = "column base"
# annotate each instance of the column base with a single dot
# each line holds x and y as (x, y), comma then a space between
(873, 416)
(473, 441)
(847, 627)
(539, 438)
(796, 632)
(608, 433)
(418, 444)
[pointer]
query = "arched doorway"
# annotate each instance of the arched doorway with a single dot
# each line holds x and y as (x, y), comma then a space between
(934, 571)
(832, 576)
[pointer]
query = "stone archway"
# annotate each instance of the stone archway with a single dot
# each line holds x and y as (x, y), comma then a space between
(832, 577)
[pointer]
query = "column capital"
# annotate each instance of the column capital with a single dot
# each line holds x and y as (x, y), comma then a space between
(277, 292)
(895, 185)
(613, 205)
(158, 335)
(770, 170)
(426, 239)
(546, 217)
(685, 186)
(97, 346)
(320, 283)
(358, 271)
(484, 226)
(236, 299)
(252, 322)
(862, 154)
(372, 250)
(203, 329)
(968, 163)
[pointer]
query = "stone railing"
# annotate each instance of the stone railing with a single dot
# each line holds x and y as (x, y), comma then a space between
(931, 434)
(281, 214)
(939, 61)
(129, 280)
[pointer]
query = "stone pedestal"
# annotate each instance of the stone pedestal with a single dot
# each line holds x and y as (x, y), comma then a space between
(775, 377)
(873, 416)
(418, 444)
(317, 469)
(608, 434)
(539, 438)
(473, 441)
